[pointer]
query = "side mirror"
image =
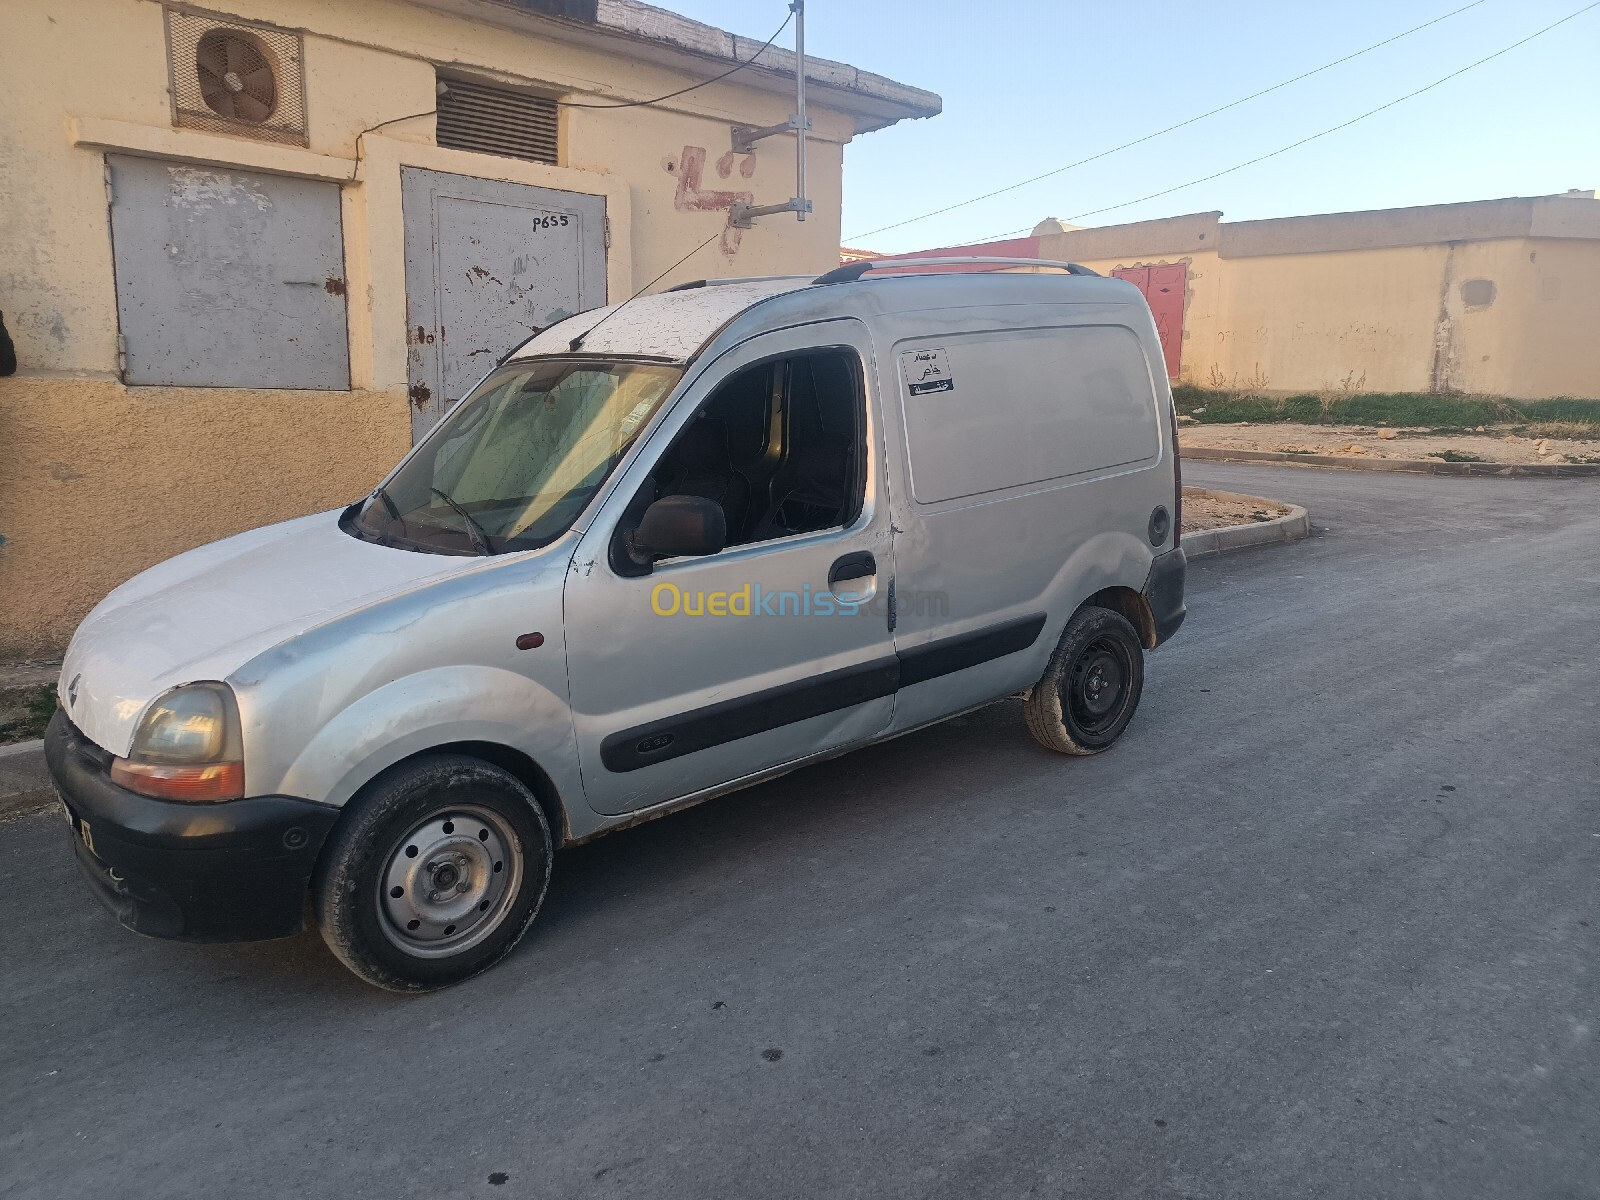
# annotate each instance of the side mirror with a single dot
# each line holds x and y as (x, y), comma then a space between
(681, 525)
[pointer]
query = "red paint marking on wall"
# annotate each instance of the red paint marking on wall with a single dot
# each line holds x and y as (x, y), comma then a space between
(747, 165)
(691, 198)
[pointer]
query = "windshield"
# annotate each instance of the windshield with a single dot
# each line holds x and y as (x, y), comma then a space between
(516, 461)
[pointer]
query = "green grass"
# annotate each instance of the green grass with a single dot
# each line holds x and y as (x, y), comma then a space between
(1562, 408)
(1443, 414)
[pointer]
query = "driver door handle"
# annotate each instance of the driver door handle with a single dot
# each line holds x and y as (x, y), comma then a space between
(859, 565)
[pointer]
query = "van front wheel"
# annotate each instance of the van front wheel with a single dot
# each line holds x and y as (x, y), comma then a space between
(433, 874)
(1091, 688)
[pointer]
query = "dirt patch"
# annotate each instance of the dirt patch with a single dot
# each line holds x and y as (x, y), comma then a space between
(27, 699)
(1203, 511)
(1369, 441)
(24, 712)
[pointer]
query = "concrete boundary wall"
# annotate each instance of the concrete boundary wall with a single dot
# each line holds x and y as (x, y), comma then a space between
(1492, 297)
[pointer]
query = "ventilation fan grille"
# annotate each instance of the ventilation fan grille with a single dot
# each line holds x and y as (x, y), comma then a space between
(491, 120)
(235, 77)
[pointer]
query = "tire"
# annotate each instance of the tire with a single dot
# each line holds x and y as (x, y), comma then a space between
(433, 873)
(1091, 687)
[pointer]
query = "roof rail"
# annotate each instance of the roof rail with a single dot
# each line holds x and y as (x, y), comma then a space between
(690, 285)
(851, 272)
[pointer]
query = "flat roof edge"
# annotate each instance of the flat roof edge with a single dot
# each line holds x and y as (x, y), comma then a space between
(875, 100)
(1571, 216)
(1187, 233)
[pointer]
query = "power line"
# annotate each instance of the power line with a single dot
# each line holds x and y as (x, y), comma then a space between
(573, 104)
(1343, 124)
(626, 104)
(356, 170)
(704, 83)
(1324, 133)
(1170, 128)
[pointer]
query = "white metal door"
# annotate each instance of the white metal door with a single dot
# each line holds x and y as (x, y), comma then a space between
(227, 278)
(489, 263)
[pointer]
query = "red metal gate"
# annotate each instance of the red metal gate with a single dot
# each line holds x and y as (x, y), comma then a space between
(1164, 289)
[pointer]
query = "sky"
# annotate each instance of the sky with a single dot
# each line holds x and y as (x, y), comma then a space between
(1030, 85)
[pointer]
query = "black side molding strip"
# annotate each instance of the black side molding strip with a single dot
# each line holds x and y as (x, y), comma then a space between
(949, 655)
(730, 720)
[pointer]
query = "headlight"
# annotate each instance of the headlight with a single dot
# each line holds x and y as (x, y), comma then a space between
(187, 747)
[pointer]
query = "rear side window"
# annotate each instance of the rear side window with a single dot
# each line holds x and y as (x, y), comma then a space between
(990, 411)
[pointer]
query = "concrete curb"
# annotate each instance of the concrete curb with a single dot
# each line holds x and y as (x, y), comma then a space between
(24, 779)
(1207, 542)
(1414, 466)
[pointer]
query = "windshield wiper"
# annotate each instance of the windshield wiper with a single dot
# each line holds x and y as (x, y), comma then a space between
(476, 532)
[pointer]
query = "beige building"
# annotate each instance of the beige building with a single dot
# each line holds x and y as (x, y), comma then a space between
(246, 254)
(1495, 297)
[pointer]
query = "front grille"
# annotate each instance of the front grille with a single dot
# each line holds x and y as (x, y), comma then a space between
(92, 756)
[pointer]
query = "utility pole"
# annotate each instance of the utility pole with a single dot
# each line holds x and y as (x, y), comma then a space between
(745, 137)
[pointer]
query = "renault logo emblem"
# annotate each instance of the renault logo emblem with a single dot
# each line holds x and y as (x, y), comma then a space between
(72, 689)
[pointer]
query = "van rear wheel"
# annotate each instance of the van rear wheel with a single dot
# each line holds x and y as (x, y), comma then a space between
(1091, 687)
(433, 873)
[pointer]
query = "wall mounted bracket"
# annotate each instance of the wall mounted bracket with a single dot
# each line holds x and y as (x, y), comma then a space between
(742, 216)
(745, 137)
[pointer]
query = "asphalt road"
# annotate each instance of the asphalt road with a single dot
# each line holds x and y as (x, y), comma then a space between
(1322, 925)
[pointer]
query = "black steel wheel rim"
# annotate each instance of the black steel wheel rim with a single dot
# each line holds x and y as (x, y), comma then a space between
(1097, 685)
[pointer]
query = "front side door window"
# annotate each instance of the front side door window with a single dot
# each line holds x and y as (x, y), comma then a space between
(779, 446)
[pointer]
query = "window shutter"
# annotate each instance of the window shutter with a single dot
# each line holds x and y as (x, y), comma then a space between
(491, 120)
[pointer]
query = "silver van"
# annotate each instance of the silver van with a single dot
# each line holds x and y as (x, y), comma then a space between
(665, 550)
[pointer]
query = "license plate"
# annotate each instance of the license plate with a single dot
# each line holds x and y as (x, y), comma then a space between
(81, 828)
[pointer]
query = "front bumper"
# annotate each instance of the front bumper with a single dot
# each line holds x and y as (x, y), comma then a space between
(233, 871)
(1163, 592)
